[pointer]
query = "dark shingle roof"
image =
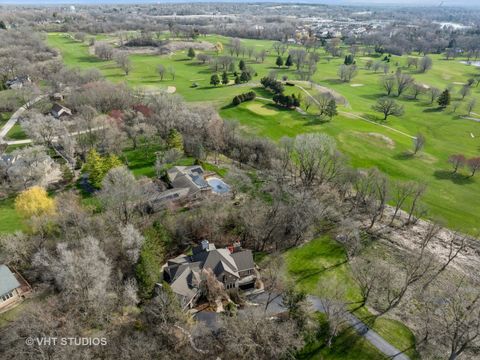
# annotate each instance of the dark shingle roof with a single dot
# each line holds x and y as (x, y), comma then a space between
(243, 260)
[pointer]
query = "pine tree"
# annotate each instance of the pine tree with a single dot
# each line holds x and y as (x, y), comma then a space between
(225, 78)
(245, 77)
(241, 65)
(214, 80)
(444, 99)
(289, 61)
(237, 80)
(331, 109)
(279, 61)
(175, 140)
(191, 53)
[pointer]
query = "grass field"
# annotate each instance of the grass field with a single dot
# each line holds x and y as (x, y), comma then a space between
(454, 198)
(16, 133)
(10, 220)
(322, 260)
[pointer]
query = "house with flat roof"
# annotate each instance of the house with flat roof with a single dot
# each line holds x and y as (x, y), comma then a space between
(12, 288)
(233, 267)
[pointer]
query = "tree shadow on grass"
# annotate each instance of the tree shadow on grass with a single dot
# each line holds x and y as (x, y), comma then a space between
(404, 155)
(432, 110)
(373, 96)
(306, 273)
(456, 178)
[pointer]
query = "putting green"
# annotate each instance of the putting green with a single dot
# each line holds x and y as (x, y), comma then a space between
(262, 109)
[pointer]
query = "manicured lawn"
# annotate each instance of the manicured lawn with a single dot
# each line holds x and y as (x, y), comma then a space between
(16, 133)
(453, 198)
(322, 260)
(10, 221)
(347, 346)
(4, 116)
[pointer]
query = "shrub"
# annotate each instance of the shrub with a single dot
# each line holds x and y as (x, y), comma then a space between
(237, 100)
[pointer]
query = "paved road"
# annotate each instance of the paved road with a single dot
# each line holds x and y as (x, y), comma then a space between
(210, 319)
(13, 120)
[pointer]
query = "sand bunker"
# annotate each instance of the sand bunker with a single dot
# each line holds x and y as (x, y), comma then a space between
(171, 89)
(356, 85)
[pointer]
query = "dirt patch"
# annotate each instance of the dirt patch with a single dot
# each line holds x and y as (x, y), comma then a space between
(389, 143)
(175, 46)
(171, 89)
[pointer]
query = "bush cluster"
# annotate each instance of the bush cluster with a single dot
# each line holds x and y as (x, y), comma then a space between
(237, 100)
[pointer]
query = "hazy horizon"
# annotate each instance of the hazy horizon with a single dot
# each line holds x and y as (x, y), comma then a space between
(474, 3)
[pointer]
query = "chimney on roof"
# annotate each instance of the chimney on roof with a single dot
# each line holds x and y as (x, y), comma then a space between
(237, 246)
(205, 245)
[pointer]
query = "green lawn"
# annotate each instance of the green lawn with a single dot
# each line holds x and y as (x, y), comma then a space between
(347, 346)
(323, 259)
(10, 220)
(4, 116)
(456, 199)
(16, 133)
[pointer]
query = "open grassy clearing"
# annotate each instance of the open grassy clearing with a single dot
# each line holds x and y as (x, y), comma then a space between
(10, 221)
(16, 133)
(456, 199)
(4, 116)
(322, 260)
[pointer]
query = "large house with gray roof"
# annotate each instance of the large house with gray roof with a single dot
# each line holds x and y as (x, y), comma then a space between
(233, 267)
(12, 287)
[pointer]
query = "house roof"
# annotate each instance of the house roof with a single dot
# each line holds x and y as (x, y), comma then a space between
(57, 108)
(244, 260)
(184, 271)
(8, 281)
(188, 177)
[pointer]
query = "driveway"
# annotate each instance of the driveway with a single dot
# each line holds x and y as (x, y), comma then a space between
(13, 120)
(276, 307)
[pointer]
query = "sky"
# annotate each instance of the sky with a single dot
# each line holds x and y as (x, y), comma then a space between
(342, 2)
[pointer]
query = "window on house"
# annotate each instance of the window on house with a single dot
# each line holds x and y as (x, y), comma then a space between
(6, 296)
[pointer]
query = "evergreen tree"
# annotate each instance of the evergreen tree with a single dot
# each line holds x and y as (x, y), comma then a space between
(349, 60)
(98, 166)
(225, 78)
(175, 140)
(289, 61)
(245, 77)
(444, 99)
(241, 65)
(279, 61)
(214, 80)
(237, 80)
(331, 109)
(191, 53)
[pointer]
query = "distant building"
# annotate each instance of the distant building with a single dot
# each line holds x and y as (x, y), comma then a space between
(58, 111)
(233, 267)
(196, 180)
(18, 82)
(12, 288)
